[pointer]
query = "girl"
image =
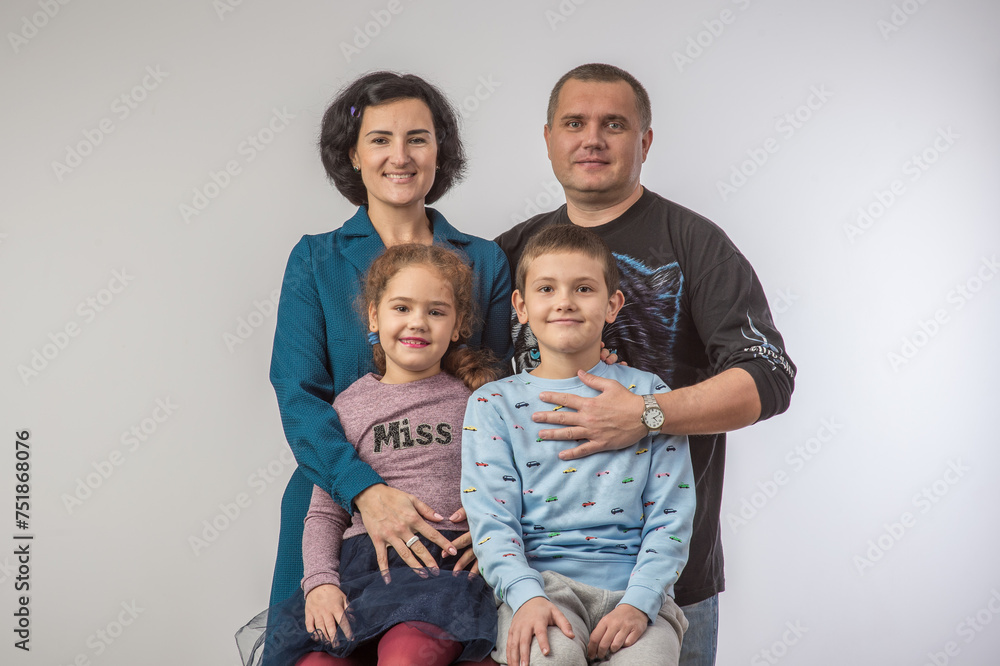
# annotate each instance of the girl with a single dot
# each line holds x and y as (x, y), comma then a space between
(406, 423)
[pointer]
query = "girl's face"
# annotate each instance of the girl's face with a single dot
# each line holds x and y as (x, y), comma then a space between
(416, 320)
(397, 154)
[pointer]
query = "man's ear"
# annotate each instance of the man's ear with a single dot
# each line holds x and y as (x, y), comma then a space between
(615, 304)
(647, 141)
(546, 132)
(519, 307)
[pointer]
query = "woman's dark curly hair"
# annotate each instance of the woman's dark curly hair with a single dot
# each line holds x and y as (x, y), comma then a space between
(342, 125)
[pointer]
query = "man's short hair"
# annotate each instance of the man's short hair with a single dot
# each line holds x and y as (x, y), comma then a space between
(568, 238)
(604, 74)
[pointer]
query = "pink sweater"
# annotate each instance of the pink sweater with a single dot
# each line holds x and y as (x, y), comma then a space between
(411, 434)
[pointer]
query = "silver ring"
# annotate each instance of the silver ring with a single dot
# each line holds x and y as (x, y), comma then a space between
(413, 540)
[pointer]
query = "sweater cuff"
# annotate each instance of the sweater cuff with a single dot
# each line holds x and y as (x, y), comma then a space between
(314, 581)
(364, 478)
(645, 599)
(521, 591)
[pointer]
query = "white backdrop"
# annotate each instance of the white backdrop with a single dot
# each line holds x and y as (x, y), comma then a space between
(159, 164)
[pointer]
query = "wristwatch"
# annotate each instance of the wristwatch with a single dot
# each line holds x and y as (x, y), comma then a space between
(652, 418)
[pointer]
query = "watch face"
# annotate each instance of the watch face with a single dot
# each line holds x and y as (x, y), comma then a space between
(653, 418)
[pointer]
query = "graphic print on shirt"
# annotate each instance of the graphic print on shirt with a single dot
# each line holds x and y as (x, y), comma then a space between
(397, 435)
(647, 321)
(765, 350)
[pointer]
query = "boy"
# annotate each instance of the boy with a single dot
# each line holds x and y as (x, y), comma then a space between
(591, 548)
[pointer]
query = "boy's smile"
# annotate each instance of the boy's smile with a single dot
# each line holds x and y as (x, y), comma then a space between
(566, 302)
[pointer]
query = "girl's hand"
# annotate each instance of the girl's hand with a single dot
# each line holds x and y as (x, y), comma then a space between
(464, 542)
(392, 518)
(325, 606)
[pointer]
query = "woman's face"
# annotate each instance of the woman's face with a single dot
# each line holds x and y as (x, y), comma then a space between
(397, 154)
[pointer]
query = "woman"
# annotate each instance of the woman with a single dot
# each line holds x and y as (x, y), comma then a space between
(390, 144)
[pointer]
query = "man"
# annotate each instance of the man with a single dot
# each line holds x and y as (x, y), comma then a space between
(695, 314)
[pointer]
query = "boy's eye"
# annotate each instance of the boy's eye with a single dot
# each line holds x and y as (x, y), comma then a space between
(585, 288)
(545, 289)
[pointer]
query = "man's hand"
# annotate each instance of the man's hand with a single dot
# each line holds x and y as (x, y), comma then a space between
(620, 628)
(532, 620)
(606, 422)
(391, 518)
(325, 605)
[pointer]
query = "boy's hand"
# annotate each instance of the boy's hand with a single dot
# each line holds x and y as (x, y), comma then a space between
(607, 422)
(620, 628)
(325, 605)
(532, 620)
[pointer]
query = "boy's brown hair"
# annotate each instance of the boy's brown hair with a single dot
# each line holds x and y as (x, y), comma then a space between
(568, 238)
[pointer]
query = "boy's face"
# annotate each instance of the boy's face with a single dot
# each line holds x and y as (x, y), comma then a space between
(566, 302)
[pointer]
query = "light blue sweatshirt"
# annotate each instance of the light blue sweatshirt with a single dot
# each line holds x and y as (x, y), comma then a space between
(618, 520)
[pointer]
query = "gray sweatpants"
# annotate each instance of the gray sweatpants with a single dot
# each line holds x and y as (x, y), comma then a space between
(584, 606)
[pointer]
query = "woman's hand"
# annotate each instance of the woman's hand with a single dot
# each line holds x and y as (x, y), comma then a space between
(464, 543)
(609, 356)
(392, 518)
(325, 606)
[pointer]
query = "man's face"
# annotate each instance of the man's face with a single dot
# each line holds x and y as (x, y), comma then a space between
(595, 142)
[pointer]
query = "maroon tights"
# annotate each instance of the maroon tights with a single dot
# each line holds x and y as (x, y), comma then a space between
(414, 643)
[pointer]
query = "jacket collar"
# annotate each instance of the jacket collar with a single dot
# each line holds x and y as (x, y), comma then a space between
(362, 243)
